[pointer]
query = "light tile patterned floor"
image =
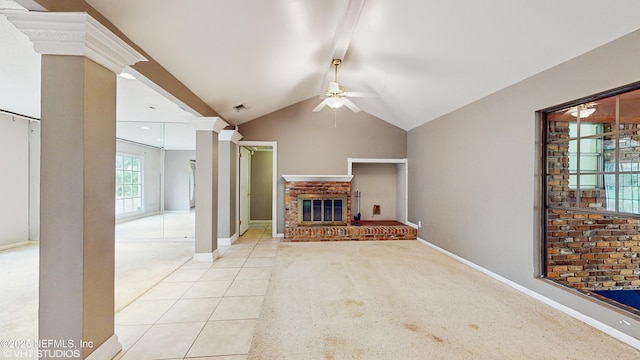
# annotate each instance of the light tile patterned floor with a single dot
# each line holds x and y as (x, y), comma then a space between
(203, 311)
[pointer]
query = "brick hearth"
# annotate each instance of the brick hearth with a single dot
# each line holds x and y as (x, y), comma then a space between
(295, 233)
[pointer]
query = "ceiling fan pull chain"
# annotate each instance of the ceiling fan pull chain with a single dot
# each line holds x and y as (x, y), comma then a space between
(335, 119)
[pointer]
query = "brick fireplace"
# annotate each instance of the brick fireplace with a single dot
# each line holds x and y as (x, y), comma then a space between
(323, 191)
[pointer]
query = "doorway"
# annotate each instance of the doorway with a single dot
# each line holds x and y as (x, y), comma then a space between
(245, 189)
(257, 177)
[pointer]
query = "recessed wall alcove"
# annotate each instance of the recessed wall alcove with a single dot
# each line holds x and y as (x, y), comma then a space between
(380, 182)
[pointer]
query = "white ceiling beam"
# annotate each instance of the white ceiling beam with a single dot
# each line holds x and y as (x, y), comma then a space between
(342, 38)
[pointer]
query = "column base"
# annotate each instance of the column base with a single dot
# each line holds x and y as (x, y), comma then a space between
(206, 257)
(108, 350)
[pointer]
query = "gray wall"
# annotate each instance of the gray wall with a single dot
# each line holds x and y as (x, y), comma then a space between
(227, 158)
(473, 173)
(309, 144)
(378, 186)
(176, 179)
(261, 185)
(14, 183)
(151, 159)
(233, 208)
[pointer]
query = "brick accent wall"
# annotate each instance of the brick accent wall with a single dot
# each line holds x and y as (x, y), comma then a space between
(294, 188)
(586, 250)
(593, 251)
(295, 233)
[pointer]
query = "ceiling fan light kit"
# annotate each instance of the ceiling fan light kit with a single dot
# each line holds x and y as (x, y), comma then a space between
(583, 110)
(335, 102)
(337, 96)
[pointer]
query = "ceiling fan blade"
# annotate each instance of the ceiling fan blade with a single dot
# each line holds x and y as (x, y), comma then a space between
(360, 94)
(321, 105)
(350, 105)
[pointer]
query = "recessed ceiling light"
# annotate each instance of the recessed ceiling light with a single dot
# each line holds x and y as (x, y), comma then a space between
(127, 76)
(145, 128)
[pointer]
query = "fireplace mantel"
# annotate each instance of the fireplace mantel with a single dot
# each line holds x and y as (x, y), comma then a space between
(326, 178)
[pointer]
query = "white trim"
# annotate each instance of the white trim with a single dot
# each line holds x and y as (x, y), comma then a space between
(237, 225)
(206, 257)
(19, 244)
(224, 242)
(234, 238)
(402, 202)
(74, 34)
(230, 135)
(108, 350)
(274, 189)
(207, 123)
(409, 223)
(259, 221)
(280, 235)
(228, 241)
(630, 340)
(351, 161)
(317, 177)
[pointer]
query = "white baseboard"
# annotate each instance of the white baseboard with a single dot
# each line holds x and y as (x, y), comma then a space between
(259, 222)
(630, 340)
(227, 241)
(107, 351)
(409, 223)
(206, 257)
(123, 219)
(234, 238)
(280, 235)
(19, 244)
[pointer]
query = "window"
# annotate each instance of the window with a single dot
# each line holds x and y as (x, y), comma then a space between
(591, 215)
(593, 155)
(128, 184)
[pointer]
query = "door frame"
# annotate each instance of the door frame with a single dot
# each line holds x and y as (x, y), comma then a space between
(244, 180)
(274, 191)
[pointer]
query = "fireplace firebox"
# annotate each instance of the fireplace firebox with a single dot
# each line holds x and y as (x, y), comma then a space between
(316, 209)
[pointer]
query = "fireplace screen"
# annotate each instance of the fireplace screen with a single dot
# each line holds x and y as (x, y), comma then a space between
(322, 209)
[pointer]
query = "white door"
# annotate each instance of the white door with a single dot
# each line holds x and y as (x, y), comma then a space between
(245, 190)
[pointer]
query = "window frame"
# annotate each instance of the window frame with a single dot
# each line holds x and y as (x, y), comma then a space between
(139, 184)
(546, 209)
(617, 170)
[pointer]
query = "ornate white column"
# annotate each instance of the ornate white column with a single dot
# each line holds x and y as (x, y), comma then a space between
(227, 196)
(80, 60)
(207, 129)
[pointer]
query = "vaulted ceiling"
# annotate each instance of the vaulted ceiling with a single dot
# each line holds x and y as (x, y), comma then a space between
(424, 58)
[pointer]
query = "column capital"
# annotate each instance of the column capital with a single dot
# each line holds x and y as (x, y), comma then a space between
(212, 123)
(75, 34)
(230, 135)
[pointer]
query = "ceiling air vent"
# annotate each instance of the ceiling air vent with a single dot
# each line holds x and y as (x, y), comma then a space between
(240, 107)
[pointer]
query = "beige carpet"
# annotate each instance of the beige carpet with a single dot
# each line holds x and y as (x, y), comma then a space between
(403, 300)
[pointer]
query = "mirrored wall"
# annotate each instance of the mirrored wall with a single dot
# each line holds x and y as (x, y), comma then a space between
(155, 182)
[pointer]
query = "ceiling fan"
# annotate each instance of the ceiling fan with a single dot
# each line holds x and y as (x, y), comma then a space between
(583, 109)
(337, 97)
